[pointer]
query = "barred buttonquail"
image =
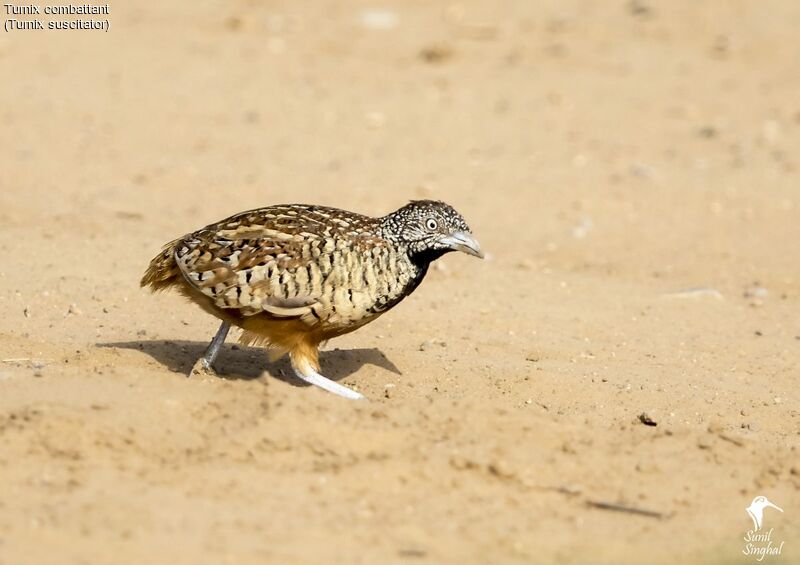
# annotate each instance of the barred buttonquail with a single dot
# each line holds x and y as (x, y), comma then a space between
(293, 276)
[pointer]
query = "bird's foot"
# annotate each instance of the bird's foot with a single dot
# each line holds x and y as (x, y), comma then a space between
(202, 368)
(312, 377)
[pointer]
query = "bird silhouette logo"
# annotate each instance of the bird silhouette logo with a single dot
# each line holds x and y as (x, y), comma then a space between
(756, 510)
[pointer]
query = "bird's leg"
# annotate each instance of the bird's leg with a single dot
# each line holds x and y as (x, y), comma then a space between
(216, 344)
(304, 369)
(204, 364)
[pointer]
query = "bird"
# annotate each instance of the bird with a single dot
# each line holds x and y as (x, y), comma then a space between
(756, 510)
(293, 276)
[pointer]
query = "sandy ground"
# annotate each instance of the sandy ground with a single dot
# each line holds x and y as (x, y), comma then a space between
(632, 171)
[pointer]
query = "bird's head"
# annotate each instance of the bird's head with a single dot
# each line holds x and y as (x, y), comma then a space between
(429, 229)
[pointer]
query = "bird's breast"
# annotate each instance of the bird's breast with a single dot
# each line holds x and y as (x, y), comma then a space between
(362, 284)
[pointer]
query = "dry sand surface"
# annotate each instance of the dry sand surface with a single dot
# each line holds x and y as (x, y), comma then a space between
(632, 170)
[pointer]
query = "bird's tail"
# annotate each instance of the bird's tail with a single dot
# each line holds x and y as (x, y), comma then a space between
(163, 270)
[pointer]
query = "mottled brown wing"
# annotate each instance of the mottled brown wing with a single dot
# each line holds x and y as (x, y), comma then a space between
(274, 261)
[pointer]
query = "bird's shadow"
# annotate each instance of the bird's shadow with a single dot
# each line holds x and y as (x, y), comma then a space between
(236, 362)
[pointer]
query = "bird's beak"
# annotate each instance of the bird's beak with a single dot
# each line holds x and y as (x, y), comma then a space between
(773, 506)
(463, 241)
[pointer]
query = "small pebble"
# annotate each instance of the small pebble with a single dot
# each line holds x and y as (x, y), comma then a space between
(411, 552)
(755, 294)
(708, 132)
(704, 443)
(647, 420)
(436, 54)
(639, 9)
(755, 291)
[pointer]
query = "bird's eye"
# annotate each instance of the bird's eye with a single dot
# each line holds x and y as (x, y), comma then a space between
(431, 224)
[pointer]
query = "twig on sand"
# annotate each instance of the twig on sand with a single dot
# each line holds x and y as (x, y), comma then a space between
(627, 509)
(17, 360)
(732, 439)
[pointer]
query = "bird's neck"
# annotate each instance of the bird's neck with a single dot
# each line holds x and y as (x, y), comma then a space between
(418, 272)
(423, 259)
(420, 262)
